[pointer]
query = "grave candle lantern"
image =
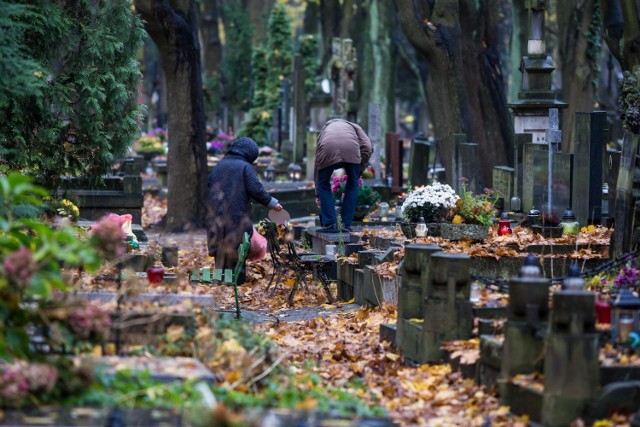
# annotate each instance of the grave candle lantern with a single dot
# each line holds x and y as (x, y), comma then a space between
(421, 228)
(383, 209)
(569, 223)
(534, 217)
(504, 225)
(625, 315)
(295, 172)
(516, 204)
(269, 173)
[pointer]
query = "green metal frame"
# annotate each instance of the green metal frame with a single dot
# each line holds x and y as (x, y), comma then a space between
(227, 276)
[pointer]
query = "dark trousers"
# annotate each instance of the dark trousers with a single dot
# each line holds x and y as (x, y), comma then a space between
(327, 205)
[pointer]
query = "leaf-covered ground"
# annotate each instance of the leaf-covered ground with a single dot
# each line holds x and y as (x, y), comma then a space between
(345, 347)
(342, 344)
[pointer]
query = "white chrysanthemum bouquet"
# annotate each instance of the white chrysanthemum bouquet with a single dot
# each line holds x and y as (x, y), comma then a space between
(433, 202)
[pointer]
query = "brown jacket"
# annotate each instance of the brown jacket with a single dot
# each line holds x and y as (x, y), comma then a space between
(341, 141)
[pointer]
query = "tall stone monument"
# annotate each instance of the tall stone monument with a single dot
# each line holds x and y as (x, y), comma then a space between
(531, 109)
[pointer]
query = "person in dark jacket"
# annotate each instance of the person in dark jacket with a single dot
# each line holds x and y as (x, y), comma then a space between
(232, 184)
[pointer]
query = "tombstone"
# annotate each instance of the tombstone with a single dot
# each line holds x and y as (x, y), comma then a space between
(393, 151)
(458, 139)
(468, 165)
(448, 314)
(419, 161)
(373, 132)
(312, 141)
(414, 272)
(536, 180)
(117, 194)
(503, 184)
(299, 118)
(527, 317)
(625, 202)
(612, 168)
(571, 366)
(587, 163)
(518, 163)
(528, 172)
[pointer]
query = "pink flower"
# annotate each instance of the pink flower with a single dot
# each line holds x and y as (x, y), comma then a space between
(89, 320)
(40, 377)
(109, 235)
(360, 182)
(19, 266)
(13, 386)
(344, 178)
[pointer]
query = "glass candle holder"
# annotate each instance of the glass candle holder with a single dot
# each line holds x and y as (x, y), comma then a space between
(421, 228)
(383, 209)
(504, 225)
(603, 310)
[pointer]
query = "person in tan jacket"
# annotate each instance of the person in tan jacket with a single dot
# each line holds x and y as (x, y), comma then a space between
(341, 144)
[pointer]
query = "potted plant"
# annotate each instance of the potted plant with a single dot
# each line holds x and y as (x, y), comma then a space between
(476, 212)
(367, 196)
(150, 145)
(432, 202)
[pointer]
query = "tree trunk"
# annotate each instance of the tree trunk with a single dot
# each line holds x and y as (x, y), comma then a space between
(491, 126)
(173, 27)
(330, 14)
(578, 61)
(259, 12)
(377, 72)
(519, 37)
(464, 81)
(212, 51)
(622, 31)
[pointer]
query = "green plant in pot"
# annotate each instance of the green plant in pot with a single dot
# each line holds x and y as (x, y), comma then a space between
(475, 209)
(367, 196)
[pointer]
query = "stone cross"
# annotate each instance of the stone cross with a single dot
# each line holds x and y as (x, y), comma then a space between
(342, 69)
(554, 138)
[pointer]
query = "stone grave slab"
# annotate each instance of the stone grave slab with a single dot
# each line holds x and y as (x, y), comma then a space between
(147, 326)
(167, 299)
(503, 185)
(469, 167)
(388, 333)
(588, 150)
(164, 369)
(91, 417)
(520, 140)
(562, 181)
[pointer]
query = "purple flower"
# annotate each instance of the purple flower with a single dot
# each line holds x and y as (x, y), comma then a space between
(628, 275)
(216, 145)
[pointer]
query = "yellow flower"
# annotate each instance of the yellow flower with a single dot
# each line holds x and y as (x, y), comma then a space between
(457, 220)
(264, 115)
(38, 74)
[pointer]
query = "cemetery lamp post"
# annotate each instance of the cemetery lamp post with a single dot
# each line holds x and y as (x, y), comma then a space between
(269, 173)
(625, 315)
